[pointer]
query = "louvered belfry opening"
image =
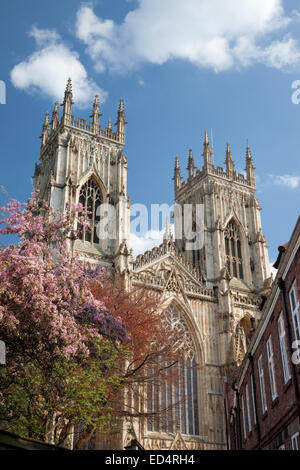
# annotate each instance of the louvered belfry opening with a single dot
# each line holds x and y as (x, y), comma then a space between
(233, 249)
(90, 197)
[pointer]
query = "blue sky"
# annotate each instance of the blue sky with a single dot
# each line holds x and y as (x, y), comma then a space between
(181, 67)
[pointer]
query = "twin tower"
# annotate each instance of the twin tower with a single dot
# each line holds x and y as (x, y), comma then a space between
(216, 290)
(85, 162)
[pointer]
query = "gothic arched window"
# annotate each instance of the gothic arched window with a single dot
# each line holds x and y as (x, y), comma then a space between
(173, 404)
(233, 251)
(90, 197)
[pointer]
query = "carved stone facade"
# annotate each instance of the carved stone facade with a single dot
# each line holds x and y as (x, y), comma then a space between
(72, 152)
(215, 292)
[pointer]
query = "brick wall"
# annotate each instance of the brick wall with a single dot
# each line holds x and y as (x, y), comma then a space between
(276, 426)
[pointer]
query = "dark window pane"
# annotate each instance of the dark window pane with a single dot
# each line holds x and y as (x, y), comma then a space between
(239, 249)
(292, 297)
(241, 271)
(232, 247)
(190, 398)
(234, 268)
(176, 396)
(149, 401)
(170, 414)
(227, 246)
(163, 405)
(183, 399)
(88, 234)
(156, 406)
(195, 393)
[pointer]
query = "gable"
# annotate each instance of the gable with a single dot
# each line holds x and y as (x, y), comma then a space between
(168, 272)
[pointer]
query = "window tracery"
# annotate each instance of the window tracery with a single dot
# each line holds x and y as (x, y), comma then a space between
(233, 250)
(174, 404)
(90, 197)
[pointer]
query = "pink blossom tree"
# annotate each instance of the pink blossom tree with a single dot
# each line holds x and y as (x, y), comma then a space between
(61, 341)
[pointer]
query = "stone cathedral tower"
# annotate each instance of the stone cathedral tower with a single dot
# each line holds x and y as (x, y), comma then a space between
(232, 212)
(211, 294)
(234, 259)
(85, 163)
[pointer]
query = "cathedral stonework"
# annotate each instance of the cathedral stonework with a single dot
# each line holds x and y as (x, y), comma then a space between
(212, 294)
(86, 163)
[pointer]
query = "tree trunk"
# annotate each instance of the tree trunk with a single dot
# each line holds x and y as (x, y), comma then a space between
(84, 438)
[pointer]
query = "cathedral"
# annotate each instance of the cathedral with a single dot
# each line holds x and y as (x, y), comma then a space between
(214, 292)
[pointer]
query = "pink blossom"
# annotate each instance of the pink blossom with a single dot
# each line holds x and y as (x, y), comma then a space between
(44, 295)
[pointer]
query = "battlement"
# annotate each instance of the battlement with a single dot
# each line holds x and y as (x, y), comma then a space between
(93, 128)
(219, 172)
(237, 177)
(229, 173)
(168, 246)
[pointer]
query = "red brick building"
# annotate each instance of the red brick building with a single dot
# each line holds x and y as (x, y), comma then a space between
(263, 400)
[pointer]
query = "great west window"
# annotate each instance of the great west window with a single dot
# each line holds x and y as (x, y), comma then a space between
(173, 404)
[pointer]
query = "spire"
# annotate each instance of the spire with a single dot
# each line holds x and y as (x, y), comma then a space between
(207, 152)
(248, 154)
(191, 165)
(121, 122)
(121, 106)
(177, 166)
(249, 167)
(68, 101)
(229, 162)
(96, 114)
(69, 85)
(45, 130)
(168, 234)
(206, 139)
(177, 173)
(228, 152)
(55, 117)
(109, 129)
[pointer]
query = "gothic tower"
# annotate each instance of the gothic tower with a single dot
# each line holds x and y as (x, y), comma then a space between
(81, 162)
(234, 257)
(212, 293)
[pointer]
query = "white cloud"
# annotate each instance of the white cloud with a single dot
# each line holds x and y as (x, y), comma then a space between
(273, 270)
(48, 68)
(214, 34)
(295, 15)
(282, 54)
(141, 244)
(291, 181)
(44, 36)
(149, 240)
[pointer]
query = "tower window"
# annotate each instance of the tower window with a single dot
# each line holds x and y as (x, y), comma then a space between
(233, 251)
(90, 197)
